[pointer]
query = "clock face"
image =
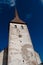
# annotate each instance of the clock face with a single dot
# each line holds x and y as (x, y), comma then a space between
(20, 46)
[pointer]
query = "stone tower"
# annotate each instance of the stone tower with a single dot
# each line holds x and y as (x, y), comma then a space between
(20, 49)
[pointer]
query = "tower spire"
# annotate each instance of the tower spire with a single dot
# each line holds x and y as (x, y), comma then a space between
(17, 19)
(16, 13)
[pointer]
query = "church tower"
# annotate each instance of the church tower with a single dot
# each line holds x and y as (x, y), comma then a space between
(20, 49)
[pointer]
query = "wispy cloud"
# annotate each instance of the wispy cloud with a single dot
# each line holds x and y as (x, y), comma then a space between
(9, 2)
(12, 2)
(41, 2)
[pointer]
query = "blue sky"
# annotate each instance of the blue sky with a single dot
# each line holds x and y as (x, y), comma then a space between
(30, 11)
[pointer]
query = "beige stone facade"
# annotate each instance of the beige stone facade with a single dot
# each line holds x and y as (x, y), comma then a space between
(20, 49)
(1, 57)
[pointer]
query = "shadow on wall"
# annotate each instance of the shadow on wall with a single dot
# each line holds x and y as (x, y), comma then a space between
(5, 57)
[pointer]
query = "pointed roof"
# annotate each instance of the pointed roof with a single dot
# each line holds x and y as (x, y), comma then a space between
(16, 14)
(17, 19)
